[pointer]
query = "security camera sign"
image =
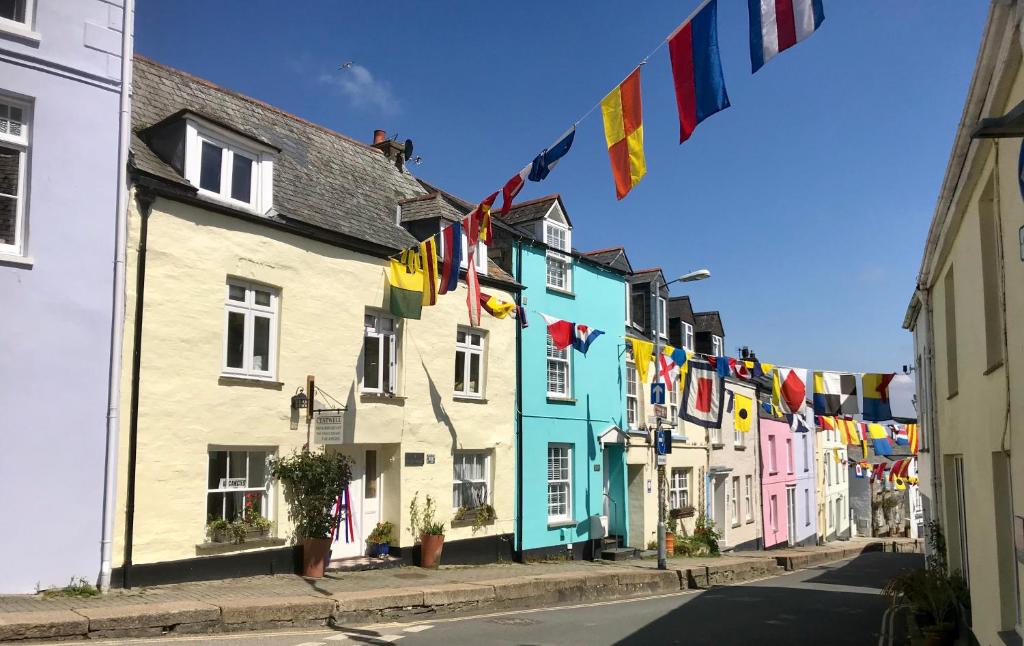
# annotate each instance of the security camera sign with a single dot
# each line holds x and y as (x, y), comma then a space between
(328, 427)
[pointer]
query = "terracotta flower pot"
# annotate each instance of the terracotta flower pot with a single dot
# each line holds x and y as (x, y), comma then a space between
(670, 544)
(430, 549)
(315, 553)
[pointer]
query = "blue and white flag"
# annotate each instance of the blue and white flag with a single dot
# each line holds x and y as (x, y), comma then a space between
(545, 162)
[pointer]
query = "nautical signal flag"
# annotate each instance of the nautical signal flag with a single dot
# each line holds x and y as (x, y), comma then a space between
(777, 25)
(743, 412)
(562, 332)
(452, 239)
(792, 389)
(624, 133)
(583, 337)
(702, 395)
(879, 439)
(697, 69)
(512, 188)
(405, 285)
(912, 437)
(546, 161)
(497, 308)
(643, 352)
(876, 396)
(835, 393)
(428, 256)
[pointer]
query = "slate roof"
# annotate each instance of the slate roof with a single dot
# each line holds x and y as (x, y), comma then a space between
(321, 178)
(612, 257)
(708, 322)
(530, 210)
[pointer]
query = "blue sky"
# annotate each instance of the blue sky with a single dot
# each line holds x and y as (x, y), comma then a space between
(808, 199)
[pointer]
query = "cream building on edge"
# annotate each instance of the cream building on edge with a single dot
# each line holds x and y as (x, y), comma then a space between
(967, 316)
(257, 253)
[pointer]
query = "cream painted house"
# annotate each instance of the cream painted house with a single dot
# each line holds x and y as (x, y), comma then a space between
(967, 316)
(257, 257)
(833, 486)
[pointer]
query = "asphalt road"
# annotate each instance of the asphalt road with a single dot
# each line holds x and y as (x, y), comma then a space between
(838, 603)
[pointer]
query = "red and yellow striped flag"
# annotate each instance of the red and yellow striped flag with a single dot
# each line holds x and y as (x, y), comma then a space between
(912, 436)
(624, 132)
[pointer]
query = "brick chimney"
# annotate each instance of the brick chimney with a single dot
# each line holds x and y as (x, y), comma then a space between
(392, 149)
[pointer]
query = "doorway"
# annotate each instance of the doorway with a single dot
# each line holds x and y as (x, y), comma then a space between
(362, 511)
(718, 505)
(614, 490)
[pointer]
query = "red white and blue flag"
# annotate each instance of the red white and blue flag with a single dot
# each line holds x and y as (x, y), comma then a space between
(697, 69)
(562, 333)
(584, 336)
(777, 25)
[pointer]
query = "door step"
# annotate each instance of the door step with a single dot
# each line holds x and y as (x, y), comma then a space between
(620, 554)
(362, 563)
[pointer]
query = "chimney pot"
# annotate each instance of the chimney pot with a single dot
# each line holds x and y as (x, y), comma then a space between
(379, 136)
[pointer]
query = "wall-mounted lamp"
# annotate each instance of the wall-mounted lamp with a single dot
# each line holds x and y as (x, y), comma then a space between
(299, 399)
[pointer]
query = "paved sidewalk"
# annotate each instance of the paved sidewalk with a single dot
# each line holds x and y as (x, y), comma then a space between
(362, 597)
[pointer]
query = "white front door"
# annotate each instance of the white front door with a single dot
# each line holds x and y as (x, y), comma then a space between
(791, 513)
(361, 512)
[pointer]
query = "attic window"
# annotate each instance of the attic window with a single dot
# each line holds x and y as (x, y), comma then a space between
(226, 167)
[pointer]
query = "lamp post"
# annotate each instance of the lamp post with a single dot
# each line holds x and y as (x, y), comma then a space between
(690, 277)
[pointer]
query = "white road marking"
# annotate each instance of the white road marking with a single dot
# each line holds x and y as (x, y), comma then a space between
(312, 644)
(418, 628)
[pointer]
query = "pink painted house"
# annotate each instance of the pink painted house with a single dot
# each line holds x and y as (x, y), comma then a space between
(778, 480)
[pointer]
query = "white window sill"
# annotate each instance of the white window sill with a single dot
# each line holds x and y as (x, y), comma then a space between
(557, 523)
(228, 379)
(561, 290)
(16, 261)
(473, 399)
(19, 30)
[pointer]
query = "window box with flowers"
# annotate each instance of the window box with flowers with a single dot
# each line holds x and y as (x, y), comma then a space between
(247, 526)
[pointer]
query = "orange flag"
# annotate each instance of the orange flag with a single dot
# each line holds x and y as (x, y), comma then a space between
(624, 133)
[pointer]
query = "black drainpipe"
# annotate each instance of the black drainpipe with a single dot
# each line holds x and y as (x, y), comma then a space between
(519, 405)
(145, 201)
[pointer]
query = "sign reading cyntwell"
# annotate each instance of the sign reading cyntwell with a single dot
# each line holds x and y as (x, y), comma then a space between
(328, 426)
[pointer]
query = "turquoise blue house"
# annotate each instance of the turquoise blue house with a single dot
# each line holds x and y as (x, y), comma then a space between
(571, 464)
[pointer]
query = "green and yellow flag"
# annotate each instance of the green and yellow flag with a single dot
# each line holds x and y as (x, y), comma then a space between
(405, 293)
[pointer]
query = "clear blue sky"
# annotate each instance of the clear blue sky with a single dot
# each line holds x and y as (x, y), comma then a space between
(808, 199)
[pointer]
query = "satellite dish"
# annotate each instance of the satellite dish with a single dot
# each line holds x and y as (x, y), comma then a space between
(408, 149)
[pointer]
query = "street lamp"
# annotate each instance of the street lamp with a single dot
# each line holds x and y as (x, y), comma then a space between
(693, 276)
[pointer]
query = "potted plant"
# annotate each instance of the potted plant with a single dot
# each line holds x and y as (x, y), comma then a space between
(380, 539)
(428, 531)
(670, 535)
(312, 482)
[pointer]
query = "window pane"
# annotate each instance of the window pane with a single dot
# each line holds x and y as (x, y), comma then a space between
(218, 468)
(8, 220)
(460, 337)
(237, 464)
(235, 504)
(209, 171)
(241, 177)
(236, 293)
(370, 479)
(236, 339)
(262, 298)
(214, 506)
(10, 162)
(257, 469)
(460, 372)
(13, 10)
(474, 373)
(388, 341)
(261, 343)
(371, 363)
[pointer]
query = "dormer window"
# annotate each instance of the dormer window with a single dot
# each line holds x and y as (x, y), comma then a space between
(559, 260)
(479, 256)
(717, 345)
(228, 167)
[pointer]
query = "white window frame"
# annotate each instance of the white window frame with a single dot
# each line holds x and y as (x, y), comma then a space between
(560, 252)
(560, 482)
(24, 29)
(735, 501)
(773, 512)
(262, 181)
(632, 396)
(673, 401)
(748, 485)
(629, 305)
(388, 363)
(479, 256)
(562, 357)
(717, 345)
(807, 506)
(806, 448)
(679, 486)
(715, 434)
(250, 310)
(553, 258)
(266, 490)
(687, 336)
(827, 459)
(737, 436)
(790, 465)
(487, 479)
(20, 143)
(468, 349)
(773, 462)
(662, 317)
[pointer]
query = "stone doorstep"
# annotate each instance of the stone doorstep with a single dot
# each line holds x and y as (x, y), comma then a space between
(42, 625)
(269, 609)
(148, 615)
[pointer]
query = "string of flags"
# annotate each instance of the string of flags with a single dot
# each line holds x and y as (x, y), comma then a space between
(700, 92)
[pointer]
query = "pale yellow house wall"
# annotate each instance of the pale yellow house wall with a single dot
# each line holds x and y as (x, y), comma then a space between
(973, 422)
(185, 406)
(742, 462)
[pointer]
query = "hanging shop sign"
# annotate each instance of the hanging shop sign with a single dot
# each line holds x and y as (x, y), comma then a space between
(328, 426)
